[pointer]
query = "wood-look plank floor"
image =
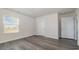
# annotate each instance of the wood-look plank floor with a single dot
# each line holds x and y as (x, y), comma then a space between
(39, 43)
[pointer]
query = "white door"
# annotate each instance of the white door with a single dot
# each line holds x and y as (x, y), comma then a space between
(68, 27)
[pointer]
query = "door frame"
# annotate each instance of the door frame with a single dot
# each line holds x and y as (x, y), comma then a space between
(75, 23)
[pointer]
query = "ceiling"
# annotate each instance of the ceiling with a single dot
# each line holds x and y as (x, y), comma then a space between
(36, 12)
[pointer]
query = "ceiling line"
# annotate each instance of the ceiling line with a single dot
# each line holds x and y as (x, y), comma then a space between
(18, 12)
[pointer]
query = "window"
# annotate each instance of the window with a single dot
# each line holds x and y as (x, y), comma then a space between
(11, 24)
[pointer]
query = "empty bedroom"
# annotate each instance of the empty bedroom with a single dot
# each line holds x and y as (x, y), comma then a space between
(39, 28)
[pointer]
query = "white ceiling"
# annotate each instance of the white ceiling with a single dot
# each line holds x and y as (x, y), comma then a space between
(36, 12)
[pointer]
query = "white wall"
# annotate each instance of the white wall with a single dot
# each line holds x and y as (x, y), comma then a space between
(48, 25)
(27, 26)
(68, 27)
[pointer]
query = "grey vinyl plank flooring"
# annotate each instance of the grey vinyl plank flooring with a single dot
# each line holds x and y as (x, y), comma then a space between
(39, 43)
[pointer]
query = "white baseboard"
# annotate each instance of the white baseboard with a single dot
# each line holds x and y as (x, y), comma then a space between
(4, 41)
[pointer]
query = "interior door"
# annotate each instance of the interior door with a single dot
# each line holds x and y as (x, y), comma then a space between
(68, 27)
